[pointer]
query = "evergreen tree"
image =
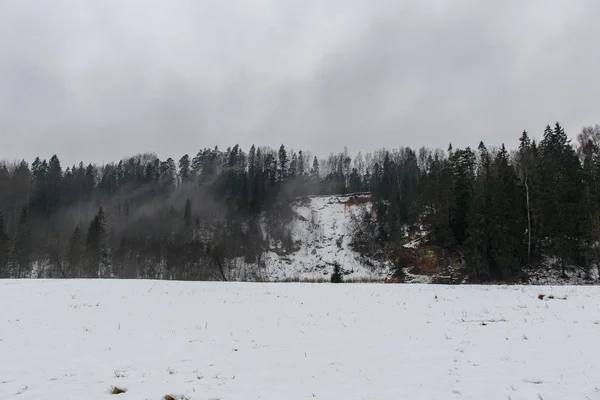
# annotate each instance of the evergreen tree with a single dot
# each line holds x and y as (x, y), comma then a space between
(54, 185)
(282, 171)
(184, 169)
(75, 255)
(187, 215)
(462, 163)
(39, 201)
(293, 168)
(355, 181)
(506, 231)
(196, 166)
(562, 191)
(480, 220)
(315, 171)
(22, 247)
(96, 251)
(4, 248)
(301, 165)
(168, 174)
(337, 276)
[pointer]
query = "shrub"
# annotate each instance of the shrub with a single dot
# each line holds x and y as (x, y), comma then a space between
(117, 390)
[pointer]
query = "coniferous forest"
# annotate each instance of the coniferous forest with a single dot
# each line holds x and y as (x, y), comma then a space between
(498, 210)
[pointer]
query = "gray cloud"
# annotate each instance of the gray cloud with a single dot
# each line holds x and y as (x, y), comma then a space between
(102, 80)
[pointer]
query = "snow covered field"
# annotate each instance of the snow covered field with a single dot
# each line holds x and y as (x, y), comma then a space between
(77, 339)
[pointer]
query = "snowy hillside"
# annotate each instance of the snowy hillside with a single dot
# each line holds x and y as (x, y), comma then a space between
(321, 230)
(238, 341)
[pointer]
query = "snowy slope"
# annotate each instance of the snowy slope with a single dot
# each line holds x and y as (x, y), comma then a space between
(230, 341)
(322, 229)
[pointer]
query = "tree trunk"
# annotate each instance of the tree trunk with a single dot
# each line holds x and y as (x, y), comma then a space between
(218, 261)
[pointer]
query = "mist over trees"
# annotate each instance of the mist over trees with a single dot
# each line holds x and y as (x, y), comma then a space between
(143, 217)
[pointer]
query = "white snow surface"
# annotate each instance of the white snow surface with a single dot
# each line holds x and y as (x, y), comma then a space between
(77, 339)
(317, 228)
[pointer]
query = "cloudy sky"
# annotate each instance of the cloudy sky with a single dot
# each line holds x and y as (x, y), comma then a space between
(100, 80)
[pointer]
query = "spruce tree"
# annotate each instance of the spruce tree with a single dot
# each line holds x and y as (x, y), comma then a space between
(184, 169)
(23, 247)
(562, 192)
(53, 185)
(293, 168)
(301, 165)
(463, 167)
(480, 217)
(4, 248)
(283, 164)
(39, 200)
(315, 171)
(96, 246)
(337, 276)
(506, 235)
(75, 255)
(355, 181)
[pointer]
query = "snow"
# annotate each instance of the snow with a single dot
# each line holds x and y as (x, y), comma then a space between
(77, 339)
(548, 272)
(323, 230)
(414, 278)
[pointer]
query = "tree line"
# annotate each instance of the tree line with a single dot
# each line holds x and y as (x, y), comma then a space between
(498, 210)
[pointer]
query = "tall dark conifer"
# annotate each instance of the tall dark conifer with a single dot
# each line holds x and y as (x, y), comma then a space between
(4, 248)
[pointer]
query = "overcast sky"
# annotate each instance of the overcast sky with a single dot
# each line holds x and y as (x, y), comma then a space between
(100, 80)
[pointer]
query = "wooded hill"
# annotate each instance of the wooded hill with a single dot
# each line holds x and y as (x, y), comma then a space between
(143, 217)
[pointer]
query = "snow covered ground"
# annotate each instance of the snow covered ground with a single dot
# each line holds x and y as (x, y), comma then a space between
(77, 339)
(323, 230)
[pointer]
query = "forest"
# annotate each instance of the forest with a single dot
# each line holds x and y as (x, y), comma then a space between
(499, 210)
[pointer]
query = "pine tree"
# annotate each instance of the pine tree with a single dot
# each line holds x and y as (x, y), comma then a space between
(562, 191)
(75, 255)
(480, 220)
(257, 181)
(196, 166)
(301, 165)
(96, 251)
(282, 171)
(315, 171)
(22, 247)
(355, 181)
(54, 185)
(184, 169)
(293, 169)
(463, 167)
(434, 200)
(89, 182)
(187, 214)
(4, 248)
(168, 174)
(506, 232)
(337, 276)
(39, 201)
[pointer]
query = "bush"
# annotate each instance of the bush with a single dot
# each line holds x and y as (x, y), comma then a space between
(337, 276)
(117, 390)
